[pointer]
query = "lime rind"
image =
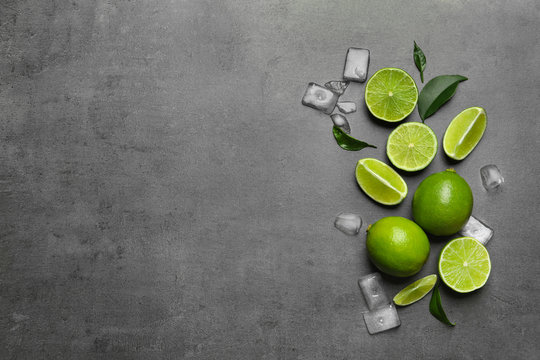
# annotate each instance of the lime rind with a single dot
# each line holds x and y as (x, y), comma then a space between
(464, 265)
(391, 94)
(464, 133)
(415, 291)
(380, 182)
(411, 146)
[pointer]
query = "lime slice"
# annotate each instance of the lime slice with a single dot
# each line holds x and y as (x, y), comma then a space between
(391, 94)
(464, 264)
(415, 291)
(464, 133)
(411, 146)
(380, 182)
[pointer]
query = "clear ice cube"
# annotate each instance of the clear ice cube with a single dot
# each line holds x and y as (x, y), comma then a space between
(320, 98)
(341, 122)
(371, 286)
(336, 86)
(356, 65)
(346, 107)
(491, 177)
(476, 229)
(382, 319)
(348, 223)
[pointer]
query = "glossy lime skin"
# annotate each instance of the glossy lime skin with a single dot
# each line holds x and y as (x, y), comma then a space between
(397, 246)
(442, 203)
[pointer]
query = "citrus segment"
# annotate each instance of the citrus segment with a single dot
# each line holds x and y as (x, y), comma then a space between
(464, 264)
(380, 182)
(415, 291)
(391, 94)
(464, 132)
(411, 146)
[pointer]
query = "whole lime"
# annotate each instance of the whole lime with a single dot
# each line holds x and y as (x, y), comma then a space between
(442, 203)
(397, 246)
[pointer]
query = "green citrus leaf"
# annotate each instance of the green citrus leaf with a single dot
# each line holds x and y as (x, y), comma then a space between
(348, 142)
(419, 60)
(435, 307)
(436, 93)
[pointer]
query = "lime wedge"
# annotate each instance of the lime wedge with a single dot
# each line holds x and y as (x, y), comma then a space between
(391, 94)
(411, 146)
(464, 132)
(415, 291)
(464, 264)
(380, 182)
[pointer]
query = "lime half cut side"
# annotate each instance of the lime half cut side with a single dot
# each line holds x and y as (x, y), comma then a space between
(380, 182)
(391, 94)
(464, 133)
(464, 264)
(411, 146)
(415, 291)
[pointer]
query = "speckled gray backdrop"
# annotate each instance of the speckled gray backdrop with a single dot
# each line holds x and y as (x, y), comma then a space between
(164, 194)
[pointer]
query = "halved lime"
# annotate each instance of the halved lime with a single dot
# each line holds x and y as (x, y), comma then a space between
(464, 264)
(380, 182)
(391, 94)
(411, 146)
(464, 132)
(415, 291)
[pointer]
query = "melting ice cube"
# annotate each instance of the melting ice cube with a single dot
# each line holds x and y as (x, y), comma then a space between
(337, 86)
(341, 122)
(382, 319)
(346, 107)
(320, 98)
(347, 223)
(371, 286)
(477, 229)
(356, 65)
(491, 177)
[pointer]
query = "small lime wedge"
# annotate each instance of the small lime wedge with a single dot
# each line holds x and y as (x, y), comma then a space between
(464, 264)
(380, 182)
(391, 94)
(411, 146)
(464, 132)
(415, 291)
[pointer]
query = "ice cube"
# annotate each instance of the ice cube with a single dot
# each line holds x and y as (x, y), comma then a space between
(371, 286)
(346, 107)
(382, 319)
(491, 177)
(320, 98)
(341, 122)
(338, 87)
(478, 230)
(356, 65)
(348, 223)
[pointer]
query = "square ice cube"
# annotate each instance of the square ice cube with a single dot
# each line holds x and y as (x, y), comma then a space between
(476, 229)
(347, 223)
(337, 86)
(320, 98)
(371, 286)
(356, 65)
(491, 177)
(382, 319)
(346, 107)
(341, 122)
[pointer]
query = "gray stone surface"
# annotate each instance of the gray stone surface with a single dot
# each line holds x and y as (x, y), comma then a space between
(164, 194)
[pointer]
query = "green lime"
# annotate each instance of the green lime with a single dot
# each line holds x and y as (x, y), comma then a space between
(415, 291)
(397, 246)
(442, 203)
(464, 133)
(464, 264)
(391, 94)
(380, 182)
(411, 146)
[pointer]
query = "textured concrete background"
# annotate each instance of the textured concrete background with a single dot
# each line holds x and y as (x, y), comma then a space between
(164, 194)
